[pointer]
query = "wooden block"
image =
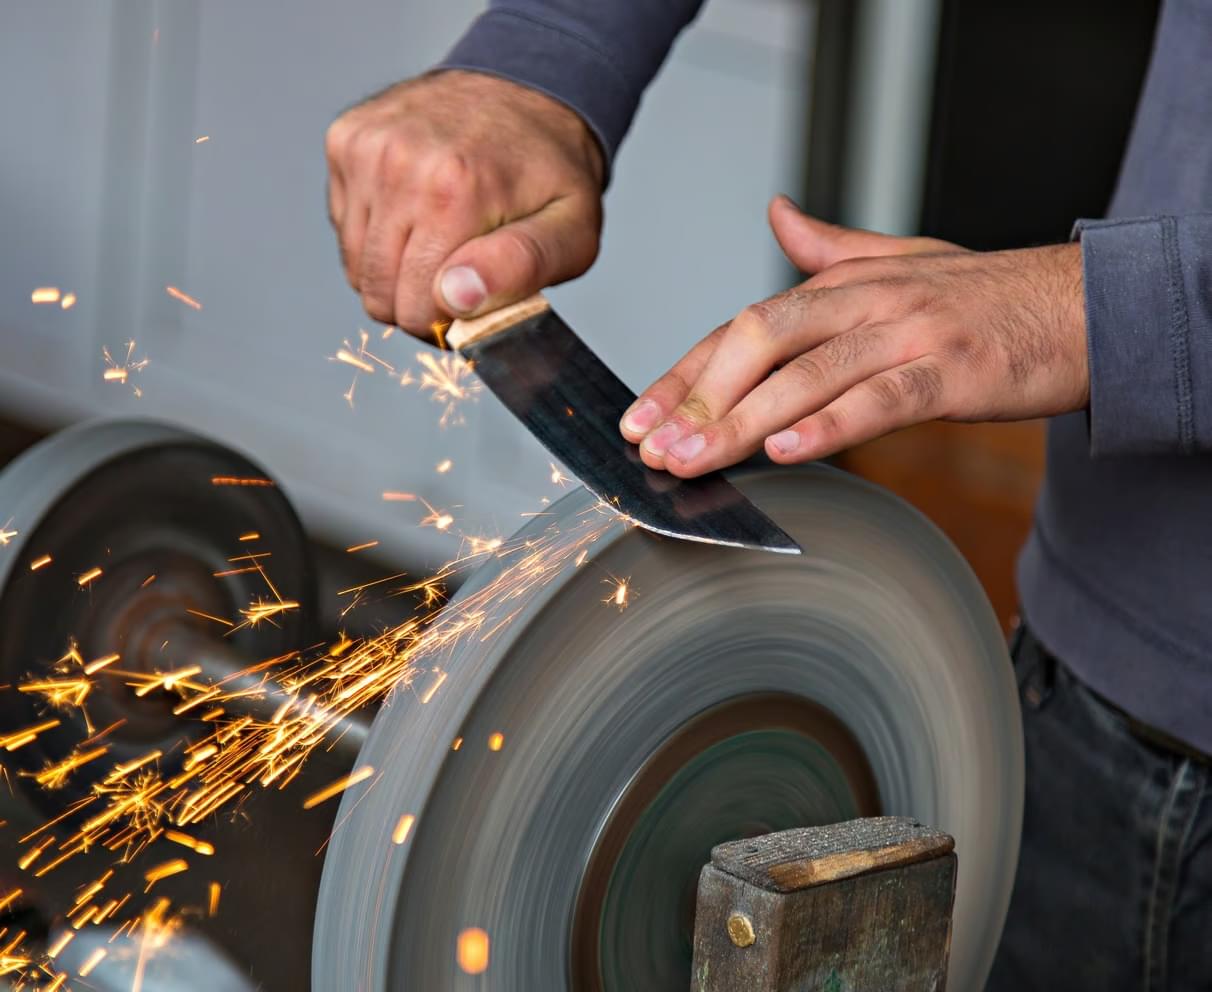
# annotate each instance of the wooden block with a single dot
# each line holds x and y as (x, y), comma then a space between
(863, 906)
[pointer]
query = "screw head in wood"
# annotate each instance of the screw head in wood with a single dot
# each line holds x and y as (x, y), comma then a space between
(740, 930)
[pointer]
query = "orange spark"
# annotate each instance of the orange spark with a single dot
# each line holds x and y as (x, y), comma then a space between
(185, 298)
(37, 563)
(496, 741)
(231, 480)
(68, 301)
(95, 666)
(437, 682)
(212, 902)
(620, 595)
(400, 834)
(361, 547)
(252, 535)
(203, 138)
(339, 786)
(89, 576)
(185, 840)
(7, 535)
(92, 961)
(456, 743)
(45, 294)
(173, 867)
(473, 951)
(558, 478)
(444, 466)
(121, 372)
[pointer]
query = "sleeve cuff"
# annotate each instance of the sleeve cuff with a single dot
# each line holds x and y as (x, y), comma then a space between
(554, 61)
(1146, 351)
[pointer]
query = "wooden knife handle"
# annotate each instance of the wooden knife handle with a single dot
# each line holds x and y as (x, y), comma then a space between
(464, 332)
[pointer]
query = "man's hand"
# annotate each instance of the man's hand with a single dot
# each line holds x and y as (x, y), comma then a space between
(455, 193)
(888, 332)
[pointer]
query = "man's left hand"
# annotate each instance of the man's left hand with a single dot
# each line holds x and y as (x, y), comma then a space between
(888, 332)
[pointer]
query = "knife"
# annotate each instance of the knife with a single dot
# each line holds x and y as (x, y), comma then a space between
(571, 402)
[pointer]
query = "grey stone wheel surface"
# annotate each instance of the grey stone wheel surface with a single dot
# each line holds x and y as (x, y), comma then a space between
(738, 692)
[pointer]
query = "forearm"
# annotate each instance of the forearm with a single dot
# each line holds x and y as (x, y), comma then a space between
(594, 56)
(1149, 317)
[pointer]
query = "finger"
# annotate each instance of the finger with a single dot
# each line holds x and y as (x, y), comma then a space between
(800, 388)
(446, 229)
(812, 244)
(351, 238)
(760, 338)
(387, 233)
(886, 402)
(557, 242)
(662, 397)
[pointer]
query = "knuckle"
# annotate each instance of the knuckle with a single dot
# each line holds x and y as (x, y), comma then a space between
(732, 430)
(527, 253)
(449, 179)
(922, 385)
(807, 371)
(831, 423)
(886, 390)
(846, 349)
(694, 408)
(755, 323)
(377, 307)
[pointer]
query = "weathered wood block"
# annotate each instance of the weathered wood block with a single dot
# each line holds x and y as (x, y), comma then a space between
(863, 906)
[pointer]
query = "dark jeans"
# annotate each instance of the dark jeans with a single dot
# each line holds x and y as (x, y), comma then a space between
(1114, 885)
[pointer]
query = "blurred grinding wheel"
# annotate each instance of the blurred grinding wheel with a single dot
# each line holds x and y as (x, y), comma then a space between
(135, 499)
(738, 693)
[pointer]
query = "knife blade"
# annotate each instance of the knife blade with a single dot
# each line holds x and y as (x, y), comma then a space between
(571, 402)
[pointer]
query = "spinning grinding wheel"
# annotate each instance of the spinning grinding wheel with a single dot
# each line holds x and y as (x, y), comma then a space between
(739, 693)
(138, 501)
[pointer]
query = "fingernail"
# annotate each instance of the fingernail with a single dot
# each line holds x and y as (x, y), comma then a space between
(640, 418)
(463, 289)
(785, 442)
(688, 447)
(663, 437)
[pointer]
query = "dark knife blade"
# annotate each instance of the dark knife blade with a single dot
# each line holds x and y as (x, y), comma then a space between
(570, 400)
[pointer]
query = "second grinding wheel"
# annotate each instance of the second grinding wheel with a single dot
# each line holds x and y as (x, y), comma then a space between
(538, 820)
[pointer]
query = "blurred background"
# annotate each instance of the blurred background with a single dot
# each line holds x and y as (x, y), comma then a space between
(162, 164)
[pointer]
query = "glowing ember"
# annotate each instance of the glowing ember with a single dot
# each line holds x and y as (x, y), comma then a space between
(202, 139)
(558, 478)
(456, 743)
(37, 563)
(361, 547)
(339, 786)
(68, 301)
(496, 741)
(443, 466)
(472, 951)
(45, 294)
(89, 576)
(185, 298)
(92, 961)
(232, 480)
(620, 595)
(7, 535)
(402, 830)
(122, 371)
(214, 891)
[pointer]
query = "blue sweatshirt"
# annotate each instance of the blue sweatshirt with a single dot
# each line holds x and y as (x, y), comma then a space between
(1116, 578)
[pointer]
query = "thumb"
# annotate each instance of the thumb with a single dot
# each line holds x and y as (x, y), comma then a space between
(514, 261)
(812, 244)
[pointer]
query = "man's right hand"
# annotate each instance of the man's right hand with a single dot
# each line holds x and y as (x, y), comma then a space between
(455, 193)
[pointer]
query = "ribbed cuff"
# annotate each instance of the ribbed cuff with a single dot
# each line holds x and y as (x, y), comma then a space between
(1145, 354)
(554, 61)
